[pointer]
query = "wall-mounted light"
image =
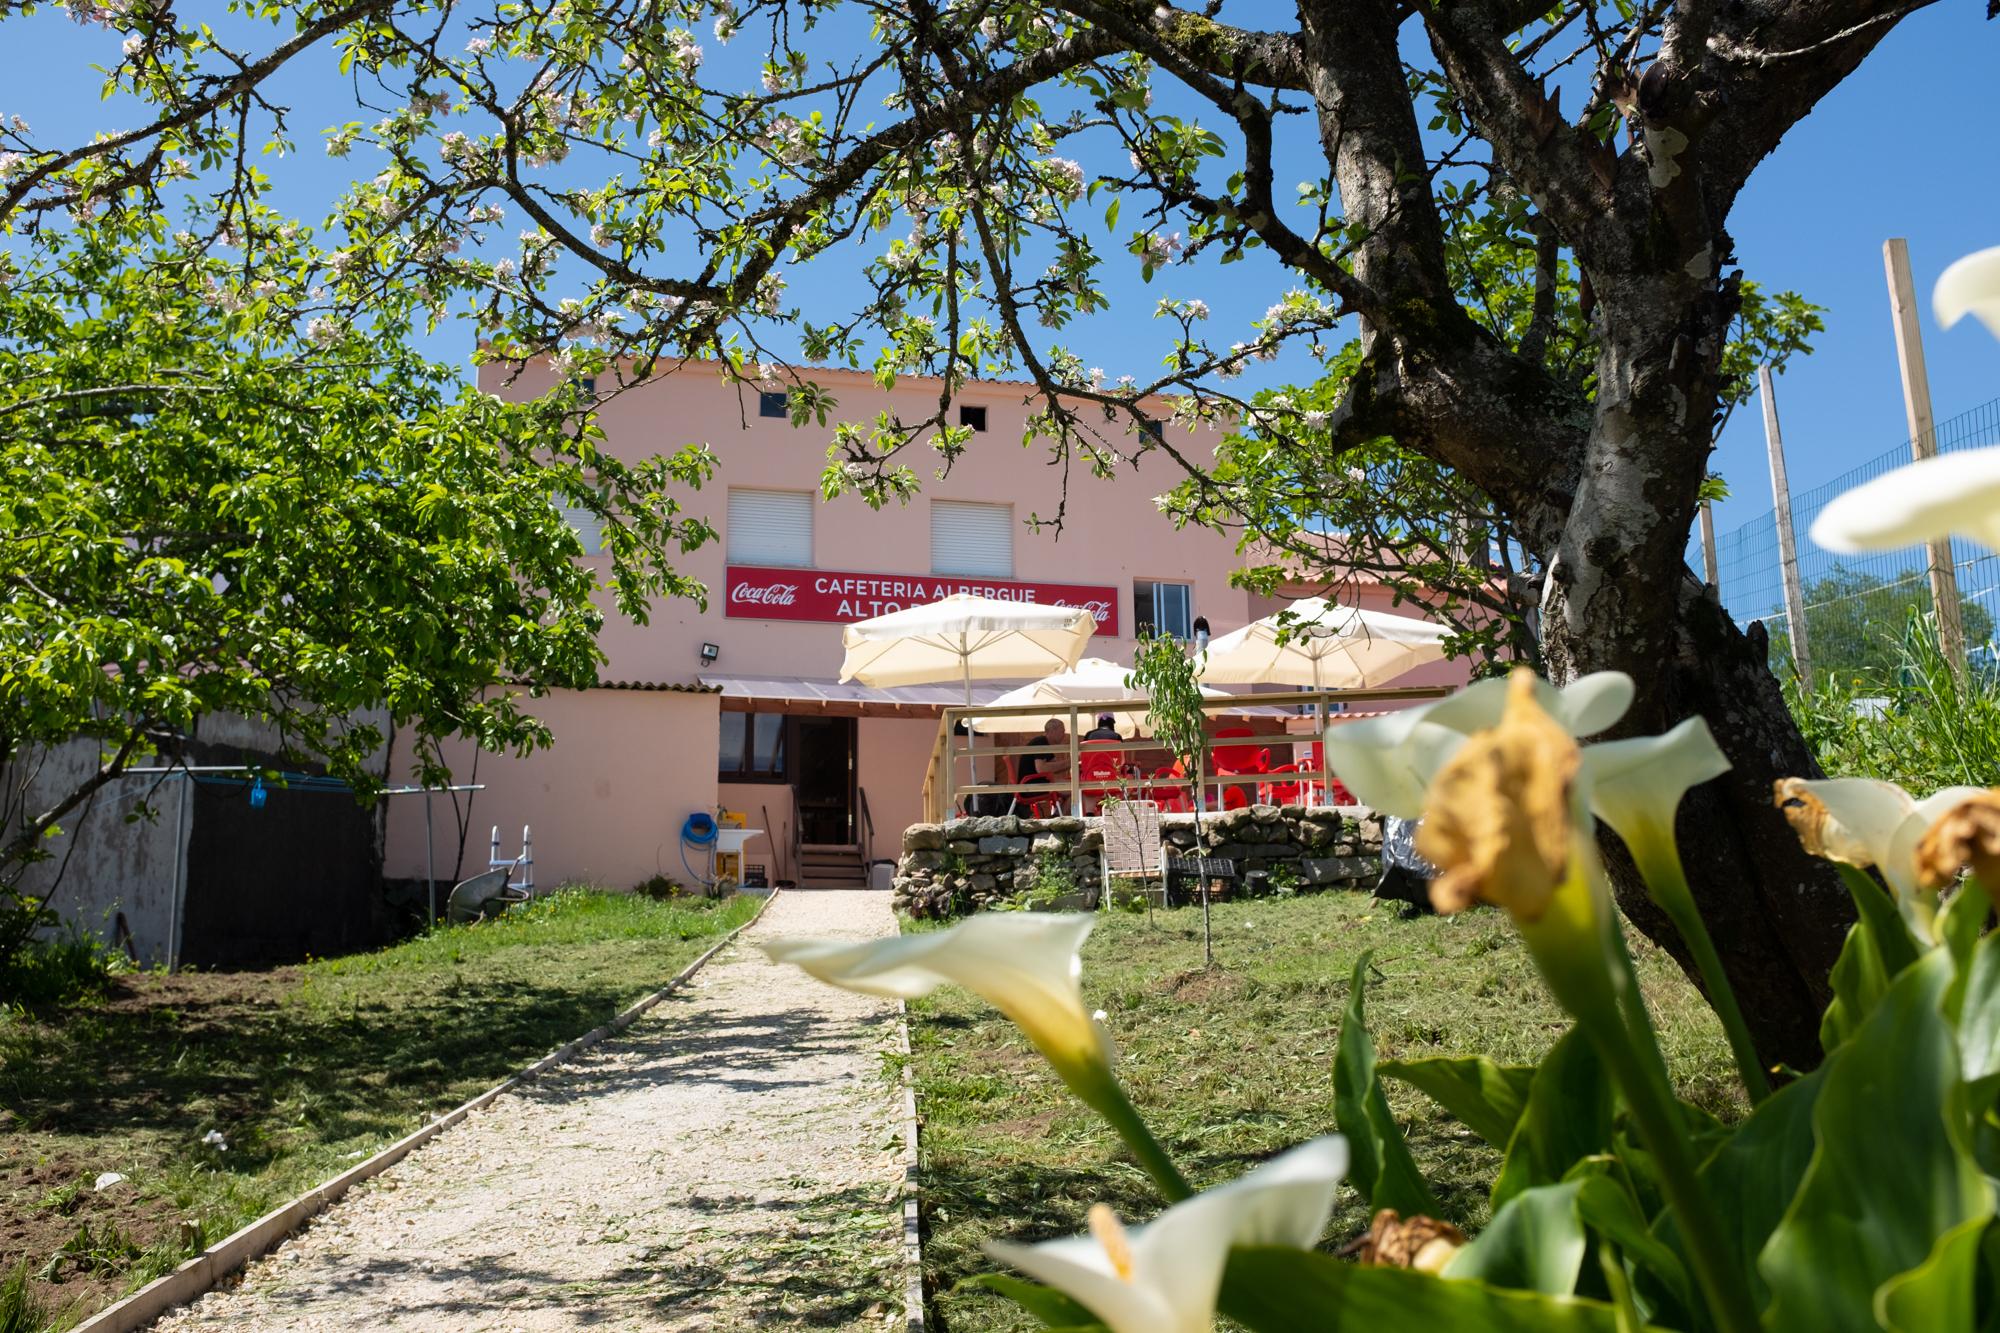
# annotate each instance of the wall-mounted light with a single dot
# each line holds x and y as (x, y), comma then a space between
(709, 652)
(1201, 634)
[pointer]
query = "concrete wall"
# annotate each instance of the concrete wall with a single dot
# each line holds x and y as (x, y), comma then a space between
(606, 801)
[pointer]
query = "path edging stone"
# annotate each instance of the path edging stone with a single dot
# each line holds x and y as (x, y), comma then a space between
(913, 1233)
(199, 1274)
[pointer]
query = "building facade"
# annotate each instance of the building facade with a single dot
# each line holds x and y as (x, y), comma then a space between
(736, 705)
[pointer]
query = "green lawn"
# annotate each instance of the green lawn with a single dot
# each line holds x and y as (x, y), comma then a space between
(1232, 1065)
(302, 1070)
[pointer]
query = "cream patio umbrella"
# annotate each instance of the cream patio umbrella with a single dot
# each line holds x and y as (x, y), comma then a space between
(1091, 681)
(966, 638)
(1325, 646)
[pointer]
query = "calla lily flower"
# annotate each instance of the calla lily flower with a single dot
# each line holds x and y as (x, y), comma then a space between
(1970, 287)
(1937, 497)
(1388, 762)
(1025, 964)
(1864, 822)
(1163, 1277)
(1636, 785)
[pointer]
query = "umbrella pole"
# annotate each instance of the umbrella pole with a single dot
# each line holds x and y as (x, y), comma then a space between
(971, 736)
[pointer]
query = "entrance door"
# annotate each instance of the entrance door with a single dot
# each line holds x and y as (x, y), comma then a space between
(826, 781)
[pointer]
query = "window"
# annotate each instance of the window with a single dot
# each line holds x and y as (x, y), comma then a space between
(588, 527)
(974, 417)
(1162, 609)
(753, 748)
(772, 405)
(590, 386)
(770, 528)
(968, 538)
(1154, 431)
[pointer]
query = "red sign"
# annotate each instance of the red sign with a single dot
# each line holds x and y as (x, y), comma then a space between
(758, 593)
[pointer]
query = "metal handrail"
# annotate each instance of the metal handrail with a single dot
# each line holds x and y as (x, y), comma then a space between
(868, 823)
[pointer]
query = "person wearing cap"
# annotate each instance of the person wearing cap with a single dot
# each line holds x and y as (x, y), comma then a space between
(1104, 730)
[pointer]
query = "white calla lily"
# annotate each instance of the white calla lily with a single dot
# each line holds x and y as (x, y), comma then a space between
(1636, 785)
(1025, 964)
(1163, 1277)
(1957, 493)
(1866, 822)
(1971, 286)
(1388, 762)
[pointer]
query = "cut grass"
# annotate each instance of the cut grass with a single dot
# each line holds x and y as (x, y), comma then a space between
(1231, 1065)
(302, 1070)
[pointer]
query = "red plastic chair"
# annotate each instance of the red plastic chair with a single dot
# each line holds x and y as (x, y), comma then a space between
(1234, 799)
(1237, 760)
(1036, 805)
(1172, 800)
(1097, 763)
(1280, 793)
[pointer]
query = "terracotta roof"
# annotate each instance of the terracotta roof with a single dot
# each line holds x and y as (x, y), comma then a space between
(670, 686)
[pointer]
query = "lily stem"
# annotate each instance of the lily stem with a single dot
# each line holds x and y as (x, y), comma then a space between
(1111, 1102)
(1664, 874)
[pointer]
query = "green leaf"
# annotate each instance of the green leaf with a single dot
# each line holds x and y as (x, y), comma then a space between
(1284, 1291)
(1975, 999)
(1753, 1177)
(1054, 1309)
(1535, 1243)
(1567, 1118)
(1607, 1206)
(1381, 1166)
(1111, 213)
(1878, 947)
(1487, 1096)
(1892, 1182)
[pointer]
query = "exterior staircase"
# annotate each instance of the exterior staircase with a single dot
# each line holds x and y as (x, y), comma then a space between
(831, 866)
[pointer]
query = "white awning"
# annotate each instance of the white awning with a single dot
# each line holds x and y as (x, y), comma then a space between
(811, 694)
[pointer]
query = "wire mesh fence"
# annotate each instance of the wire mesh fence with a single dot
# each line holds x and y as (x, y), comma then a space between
(1857, 606)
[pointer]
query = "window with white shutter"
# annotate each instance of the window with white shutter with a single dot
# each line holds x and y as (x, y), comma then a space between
(969, 538)
(770, 528)
(589, 528)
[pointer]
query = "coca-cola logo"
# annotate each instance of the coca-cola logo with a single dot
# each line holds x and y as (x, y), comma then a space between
(766, 594)
(1099, 611)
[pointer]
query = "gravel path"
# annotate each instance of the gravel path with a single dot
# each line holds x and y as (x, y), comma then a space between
(729, 1161)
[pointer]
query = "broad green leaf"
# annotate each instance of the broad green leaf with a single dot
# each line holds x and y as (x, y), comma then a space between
(1285, 1291)
(1976, 997)
(1535, 1243)
(1753, 1177)
(1607, 1208)
(1878, 947)
(1891, 1176)
(1567, 1118)
(1381, 1166)
(1489, 1097)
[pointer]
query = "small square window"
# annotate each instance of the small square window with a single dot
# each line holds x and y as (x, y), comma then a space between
(974, 417)
(771, 405)
(590, 386)
(1154, 430)
(1162, 609)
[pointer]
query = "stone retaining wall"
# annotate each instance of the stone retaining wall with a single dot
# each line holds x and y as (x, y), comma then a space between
(968, 865)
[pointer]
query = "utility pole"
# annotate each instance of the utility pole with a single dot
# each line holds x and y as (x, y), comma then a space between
(1711, 568)
(1788, 546)
(1923, 440)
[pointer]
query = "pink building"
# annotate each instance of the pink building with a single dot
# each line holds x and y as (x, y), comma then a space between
(737, 706)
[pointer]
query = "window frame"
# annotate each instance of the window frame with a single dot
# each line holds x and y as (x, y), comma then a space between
(788, 737)
(1152, 611)
(808, 525)
(973, 415)
(1013, 555)
(768, 398)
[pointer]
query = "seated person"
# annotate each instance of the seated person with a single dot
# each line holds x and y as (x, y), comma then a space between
(1053, 766)
(1105, 730)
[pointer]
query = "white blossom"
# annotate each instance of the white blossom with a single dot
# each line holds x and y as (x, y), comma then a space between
(479, 46)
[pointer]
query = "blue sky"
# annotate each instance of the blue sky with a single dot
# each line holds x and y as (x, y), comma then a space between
(1905, 147)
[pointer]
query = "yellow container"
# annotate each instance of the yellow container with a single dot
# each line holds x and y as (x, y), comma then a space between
(729, 865)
